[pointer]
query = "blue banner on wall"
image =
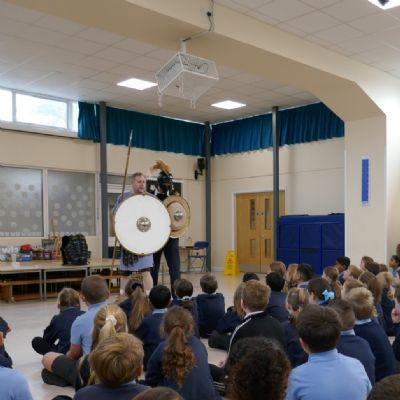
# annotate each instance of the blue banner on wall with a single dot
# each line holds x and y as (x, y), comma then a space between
(365, 181)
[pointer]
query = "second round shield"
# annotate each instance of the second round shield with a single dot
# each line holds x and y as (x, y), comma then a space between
(179, 211)
(142, 224)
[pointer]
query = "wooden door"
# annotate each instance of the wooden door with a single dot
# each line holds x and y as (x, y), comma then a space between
(254, 229)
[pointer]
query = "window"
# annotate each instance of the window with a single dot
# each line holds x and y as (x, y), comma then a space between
(5, 105)
(72, 202)
(39, 111)
(43, 114)
(21, 202)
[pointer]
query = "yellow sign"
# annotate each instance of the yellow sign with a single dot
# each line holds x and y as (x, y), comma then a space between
(231, 265)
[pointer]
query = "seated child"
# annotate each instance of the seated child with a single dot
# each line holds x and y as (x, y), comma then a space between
(352, 272)
(61, 370)
(365, 260)
(396, 324)
(277, 302)
(386, 281)
(149, 330)
(136, 306)
(5, 359)
(94, 293)
(184, 298)
(210, 305)
(394, 263)
(362, 302)
(290, 275)
(351, 345)
(328, 374)
(180, 362)
(342, 263)
(296, 300)
(304, 273)
(257, 369)
(221, 337)
(320, 292)
(278, 267)
(159, 393)
(13, 385)
(386, 389)
(59, 329)
(116, 363)
(247, 276)
(331, 274)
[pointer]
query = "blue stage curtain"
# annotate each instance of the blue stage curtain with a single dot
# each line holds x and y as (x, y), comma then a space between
(88, 121)
(149, 131)
(297, 125)
(308, 124)
(242, 135)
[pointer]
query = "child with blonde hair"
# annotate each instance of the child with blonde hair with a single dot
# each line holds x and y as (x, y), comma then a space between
(180, 362)
(386, 281)
(62, 370)
(116, 362)
(59, 329)
(331, 274)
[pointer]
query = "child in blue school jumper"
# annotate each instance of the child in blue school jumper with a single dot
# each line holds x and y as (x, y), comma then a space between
(181, 361)
(136, 306)
(149, 330)
(184, 298)
(296, 300)
(210, 305)
(362, 302)
(277, 302)
(115, 363)
(57, 335)
(327, 374)
(386, 280)
(221, 336)
(5, 359)
(396, 324)
(349, 343)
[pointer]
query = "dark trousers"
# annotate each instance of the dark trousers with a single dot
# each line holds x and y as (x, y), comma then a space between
(41, 346)
(219, 340)
(171, 252)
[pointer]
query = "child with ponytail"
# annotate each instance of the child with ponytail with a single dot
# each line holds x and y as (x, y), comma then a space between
(180, 362)
(136, 306)
(320, 292)
(63, 371)
(331, 274)
(296, 300)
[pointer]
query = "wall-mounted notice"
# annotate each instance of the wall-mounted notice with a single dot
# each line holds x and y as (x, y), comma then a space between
(365, 181)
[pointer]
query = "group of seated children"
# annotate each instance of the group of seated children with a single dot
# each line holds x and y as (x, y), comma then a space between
(294, 336)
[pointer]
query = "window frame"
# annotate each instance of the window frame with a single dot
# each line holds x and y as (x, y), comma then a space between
(38, 128)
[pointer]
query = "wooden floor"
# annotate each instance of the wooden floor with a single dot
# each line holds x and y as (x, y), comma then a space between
(28, 319)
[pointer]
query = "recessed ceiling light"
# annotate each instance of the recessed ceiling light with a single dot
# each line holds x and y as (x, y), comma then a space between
(137, 84)
(228, 104)
(385, 4)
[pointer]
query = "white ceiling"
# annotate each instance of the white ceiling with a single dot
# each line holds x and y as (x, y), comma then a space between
(44, 54)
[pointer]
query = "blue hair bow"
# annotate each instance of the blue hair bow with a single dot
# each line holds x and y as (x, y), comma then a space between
(328, 295)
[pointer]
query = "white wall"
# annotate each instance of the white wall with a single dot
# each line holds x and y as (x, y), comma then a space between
(46, 151)
(312, 175)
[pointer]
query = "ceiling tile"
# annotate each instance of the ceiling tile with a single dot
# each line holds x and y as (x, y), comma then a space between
(108, 77)
(252, 3)
(59, 25)
(22, 75)
(162, 54)
(19, 13)
(284, 26)
(245, 78)
(80, 45)
(360, 44)
(262, 17)
(284, 10)
(97, 63)
(389, 36)
(147, 63)
(376, 55)
(375, 22)
(287, 90)
(11, 27)
(232, 5)
(317, 40)
(91, 84)
(341, 51)
(135, 46)
(100, 36)
(41, 35)
(338, 34)
(348, 10)
(116, 55)
(320, 3)
(313, 22)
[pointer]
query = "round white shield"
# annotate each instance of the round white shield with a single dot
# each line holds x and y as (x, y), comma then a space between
(142, 224)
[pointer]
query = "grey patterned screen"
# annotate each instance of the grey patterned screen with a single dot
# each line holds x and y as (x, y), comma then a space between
(21, 202)
(72, 202)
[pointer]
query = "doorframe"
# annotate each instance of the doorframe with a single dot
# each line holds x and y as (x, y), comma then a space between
(233, 198)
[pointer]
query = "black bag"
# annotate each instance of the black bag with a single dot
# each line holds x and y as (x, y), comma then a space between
(74, 250)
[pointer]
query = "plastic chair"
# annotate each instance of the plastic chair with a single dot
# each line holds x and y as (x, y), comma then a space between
(198, 252)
